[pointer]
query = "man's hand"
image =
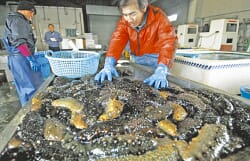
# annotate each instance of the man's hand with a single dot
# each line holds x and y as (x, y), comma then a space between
(107, 71)
(159, 78)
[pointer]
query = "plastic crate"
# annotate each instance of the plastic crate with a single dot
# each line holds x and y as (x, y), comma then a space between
(44, 64)
(245, 91)
(73, 64)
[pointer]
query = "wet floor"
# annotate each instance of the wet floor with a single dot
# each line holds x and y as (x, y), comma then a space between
(9, 103)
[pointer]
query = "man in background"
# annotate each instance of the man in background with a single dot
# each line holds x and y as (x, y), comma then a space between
(53, 38)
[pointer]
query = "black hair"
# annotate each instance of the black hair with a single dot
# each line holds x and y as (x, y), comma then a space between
(50, 25)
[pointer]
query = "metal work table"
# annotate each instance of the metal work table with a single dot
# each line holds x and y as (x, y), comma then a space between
(10, 129)
(139, 73)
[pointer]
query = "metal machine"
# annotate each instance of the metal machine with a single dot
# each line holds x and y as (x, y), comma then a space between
(222, 35)
(187, 35)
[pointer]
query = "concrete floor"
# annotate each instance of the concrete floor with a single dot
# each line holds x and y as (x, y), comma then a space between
(9, 103)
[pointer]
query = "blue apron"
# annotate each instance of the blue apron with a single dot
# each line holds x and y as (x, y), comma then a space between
(150, 60)
(27, 81)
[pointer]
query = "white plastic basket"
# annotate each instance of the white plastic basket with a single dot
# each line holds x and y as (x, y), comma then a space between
(73, 64)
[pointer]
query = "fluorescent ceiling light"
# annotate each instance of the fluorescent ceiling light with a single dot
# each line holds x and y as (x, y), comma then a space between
(173, 17)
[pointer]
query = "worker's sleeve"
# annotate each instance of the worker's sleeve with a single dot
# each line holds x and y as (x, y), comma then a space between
(118, 41)
(20, 32)
(167, 42)
(24, 50)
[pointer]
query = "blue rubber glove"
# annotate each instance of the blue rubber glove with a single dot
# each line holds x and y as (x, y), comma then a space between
(33, 63)
(107, 71)
(159, 78)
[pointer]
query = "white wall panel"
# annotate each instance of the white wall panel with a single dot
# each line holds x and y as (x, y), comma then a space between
(215, 9)
(218, 7)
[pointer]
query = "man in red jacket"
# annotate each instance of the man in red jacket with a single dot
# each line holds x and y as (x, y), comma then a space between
(151, 37)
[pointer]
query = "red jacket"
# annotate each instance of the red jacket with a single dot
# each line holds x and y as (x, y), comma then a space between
(156, 37)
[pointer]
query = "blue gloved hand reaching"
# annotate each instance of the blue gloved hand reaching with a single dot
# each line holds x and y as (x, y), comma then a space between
(33, 63)
(107, 71)
(159, 78)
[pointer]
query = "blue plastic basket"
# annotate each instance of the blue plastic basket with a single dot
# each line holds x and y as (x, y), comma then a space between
(44, 64)
(73, 64)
